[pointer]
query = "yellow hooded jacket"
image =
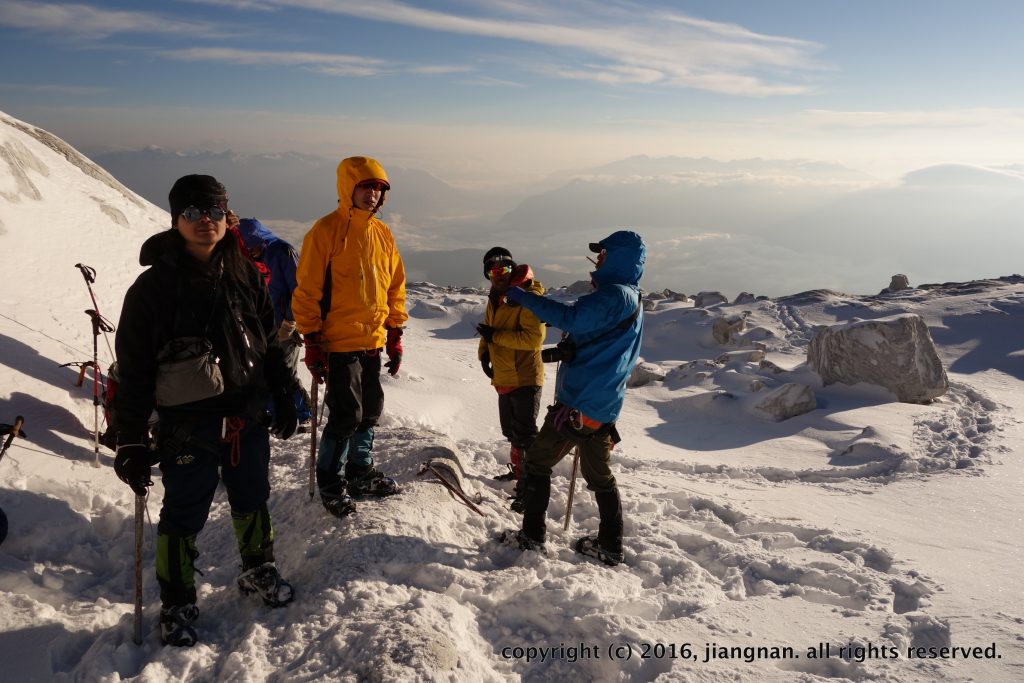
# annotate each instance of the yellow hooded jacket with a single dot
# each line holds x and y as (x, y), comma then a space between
(367, 276)
(515, 351)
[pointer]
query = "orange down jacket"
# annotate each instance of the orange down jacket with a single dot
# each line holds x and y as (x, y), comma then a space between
(367, 276)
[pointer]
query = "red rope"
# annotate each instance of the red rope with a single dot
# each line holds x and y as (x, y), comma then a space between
(233, 427)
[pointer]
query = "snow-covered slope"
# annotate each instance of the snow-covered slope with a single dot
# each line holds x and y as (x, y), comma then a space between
(865, 522)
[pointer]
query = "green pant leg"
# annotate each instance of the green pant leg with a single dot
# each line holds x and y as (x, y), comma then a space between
(255, 535)
(175, 571)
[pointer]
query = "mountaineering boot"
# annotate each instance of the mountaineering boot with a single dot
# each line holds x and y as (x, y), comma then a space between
(607, 545)
(176, 625)
(267, 582)
(609, 531)
(332, 494)
(305, 426)
(518, 497)
(370, 482)
(517, 539)
(591, 547)
(363, 478)
(535, 506)
(339, 506)
(332, 454)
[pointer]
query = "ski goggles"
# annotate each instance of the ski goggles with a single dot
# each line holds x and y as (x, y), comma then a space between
(498, 271)
(378, 185)
(193, 214)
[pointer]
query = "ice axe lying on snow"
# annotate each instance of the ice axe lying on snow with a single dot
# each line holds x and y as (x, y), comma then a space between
(444, 465)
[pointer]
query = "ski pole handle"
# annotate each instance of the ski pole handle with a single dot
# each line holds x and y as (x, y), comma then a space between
(88, 273)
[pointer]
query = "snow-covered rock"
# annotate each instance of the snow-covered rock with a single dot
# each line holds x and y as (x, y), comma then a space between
(895, 352)
(744, 298)
(705, 299)
(727, 328)
(898, 283)
(645, 373)
(786, 401)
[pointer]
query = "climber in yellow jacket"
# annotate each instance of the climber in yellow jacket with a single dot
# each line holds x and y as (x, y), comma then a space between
(350, 307)
(509, 353)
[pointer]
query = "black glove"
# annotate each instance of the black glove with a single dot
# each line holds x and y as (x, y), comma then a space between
(285, 420)
(487, 332)
(132, 466)
(485, 363)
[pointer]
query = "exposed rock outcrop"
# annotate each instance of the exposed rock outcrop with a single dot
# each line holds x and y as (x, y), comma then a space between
(896, 352)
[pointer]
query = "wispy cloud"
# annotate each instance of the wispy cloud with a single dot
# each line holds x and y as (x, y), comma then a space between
(326, 63)
(55, 89)
(941, 118)
(488, 81)
(87, 21)
(613, 43)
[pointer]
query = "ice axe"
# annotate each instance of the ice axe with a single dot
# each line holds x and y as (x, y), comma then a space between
(572, 488)
(11, 431)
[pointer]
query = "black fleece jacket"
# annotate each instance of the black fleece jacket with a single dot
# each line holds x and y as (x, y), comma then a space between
(180, 297)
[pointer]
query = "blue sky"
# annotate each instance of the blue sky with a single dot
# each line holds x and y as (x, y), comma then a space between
(509, 90)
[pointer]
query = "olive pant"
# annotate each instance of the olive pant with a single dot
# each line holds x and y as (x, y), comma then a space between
(595, 447)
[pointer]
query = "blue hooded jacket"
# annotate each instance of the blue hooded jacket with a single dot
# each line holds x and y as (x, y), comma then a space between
(280, 258)
(594, 382)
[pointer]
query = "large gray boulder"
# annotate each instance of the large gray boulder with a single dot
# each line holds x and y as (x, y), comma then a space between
(896, 352)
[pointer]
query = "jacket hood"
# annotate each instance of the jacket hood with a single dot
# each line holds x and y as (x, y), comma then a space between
(624, 260)
(161, 245)
(254, 234)
(353, 171)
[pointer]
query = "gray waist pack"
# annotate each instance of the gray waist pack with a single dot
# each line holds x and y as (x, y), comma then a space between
(187, 371)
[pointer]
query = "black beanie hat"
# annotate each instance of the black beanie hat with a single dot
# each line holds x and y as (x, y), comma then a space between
(200, 191)
(496, 254)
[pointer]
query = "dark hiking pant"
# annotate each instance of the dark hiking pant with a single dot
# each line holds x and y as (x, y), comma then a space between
(517, 412)
(193, 460)
(355, 399)
(547, 450)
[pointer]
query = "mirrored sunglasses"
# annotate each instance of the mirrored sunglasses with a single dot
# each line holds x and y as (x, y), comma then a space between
(193, 214)
(378, 185)
(498, 271)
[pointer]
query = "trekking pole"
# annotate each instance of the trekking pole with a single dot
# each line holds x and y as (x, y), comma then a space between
(90, 277)
(312, 438)
(15, 431)
(140, 507)
(572, 488)
(98, 323)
